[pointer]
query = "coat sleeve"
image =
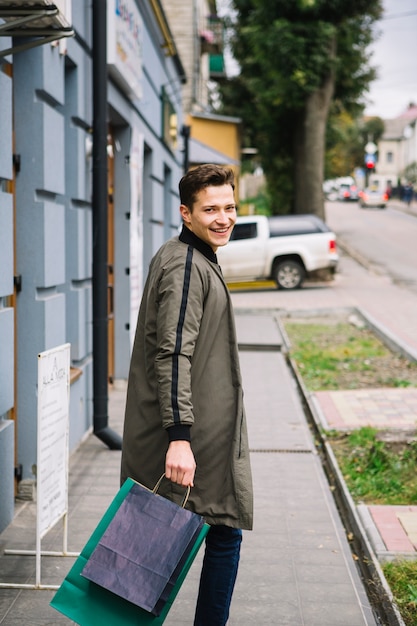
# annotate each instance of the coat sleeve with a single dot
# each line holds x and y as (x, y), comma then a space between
(180, 303)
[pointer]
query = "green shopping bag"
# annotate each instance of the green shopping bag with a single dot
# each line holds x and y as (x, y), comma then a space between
(90, 604)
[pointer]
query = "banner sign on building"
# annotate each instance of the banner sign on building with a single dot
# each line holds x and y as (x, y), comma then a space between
(125, 46)
(136, 229)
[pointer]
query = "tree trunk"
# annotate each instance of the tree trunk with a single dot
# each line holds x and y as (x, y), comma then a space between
(309, 149)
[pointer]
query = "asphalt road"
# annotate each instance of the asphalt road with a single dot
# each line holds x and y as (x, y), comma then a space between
(384, 240)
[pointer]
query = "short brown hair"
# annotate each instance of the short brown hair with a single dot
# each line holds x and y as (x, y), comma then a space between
(202, 176)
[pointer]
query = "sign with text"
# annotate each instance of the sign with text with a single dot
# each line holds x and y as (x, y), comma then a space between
(125, 46)
(53, 423)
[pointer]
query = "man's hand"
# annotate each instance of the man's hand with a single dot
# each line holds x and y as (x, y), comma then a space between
(180, 463)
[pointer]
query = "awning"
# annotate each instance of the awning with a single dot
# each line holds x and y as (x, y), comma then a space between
(36, 23)
(200, 152)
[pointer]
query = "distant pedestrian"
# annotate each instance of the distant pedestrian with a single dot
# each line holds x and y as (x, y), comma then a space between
(408, 193)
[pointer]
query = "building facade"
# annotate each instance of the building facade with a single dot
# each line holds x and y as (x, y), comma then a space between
(199, 34)
(397, 152)
(46, 209)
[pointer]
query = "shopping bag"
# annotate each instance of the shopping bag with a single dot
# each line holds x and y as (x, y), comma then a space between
(91, 604)
(141, 553)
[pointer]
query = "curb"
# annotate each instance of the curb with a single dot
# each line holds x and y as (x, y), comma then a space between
(390, 340)
(358, 257)
(371, 530)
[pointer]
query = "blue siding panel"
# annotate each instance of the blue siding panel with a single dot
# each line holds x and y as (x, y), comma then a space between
(6, 161)
(53, 245)
(6, 361)
(6, 473)
(6, 244)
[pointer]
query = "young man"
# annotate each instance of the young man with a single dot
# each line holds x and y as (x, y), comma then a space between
(184, 411)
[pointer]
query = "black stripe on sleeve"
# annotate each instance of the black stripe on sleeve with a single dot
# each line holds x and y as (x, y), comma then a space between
(178, 338)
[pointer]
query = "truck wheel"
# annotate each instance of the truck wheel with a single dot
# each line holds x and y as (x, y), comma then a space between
(288, 274)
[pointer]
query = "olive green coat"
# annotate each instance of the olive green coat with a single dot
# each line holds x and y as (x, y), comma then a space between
(185, 370)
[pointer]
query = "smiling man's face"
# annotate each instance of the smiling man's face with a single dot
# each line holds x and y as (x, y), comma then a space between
(212, 215)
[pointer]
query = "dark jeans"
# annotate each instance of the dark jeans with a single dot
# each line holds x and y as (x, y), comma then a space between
(218, 576)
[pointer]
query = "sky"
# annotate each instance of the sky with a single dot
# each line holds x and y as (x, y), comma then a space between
(394, 56)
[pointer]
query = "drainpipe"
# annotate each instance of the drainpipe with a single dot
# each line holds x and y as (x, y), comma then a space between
(185, 132)
(99, 204)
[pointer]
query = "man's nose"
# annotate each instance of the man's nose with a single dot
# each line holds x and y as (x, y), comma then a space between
(222, 216)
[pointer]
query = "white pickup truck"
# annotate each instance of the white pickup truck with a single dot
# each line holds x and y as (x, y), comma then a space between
(285, 248)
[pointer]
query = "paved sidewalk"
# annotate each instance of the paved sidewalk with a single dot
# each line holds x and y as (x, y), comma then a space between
(297, 551)
(411, 208)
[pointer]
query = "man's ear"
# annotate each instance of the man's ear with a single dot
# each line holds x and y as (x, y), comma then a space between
(185, 213)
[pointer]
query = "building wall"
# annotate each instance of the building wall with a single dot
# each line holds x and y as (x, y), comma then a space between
(195, 30)
(389, 158)
(218, 131)
(389, 164)
(46, 224)
(187, 18)
(400, 142)
(7, 360)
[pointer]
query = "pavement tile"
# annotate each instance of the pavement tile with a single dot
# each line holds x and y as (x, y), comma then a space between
(382, 408)
(409, 523)
(265, 333)
(388, 522)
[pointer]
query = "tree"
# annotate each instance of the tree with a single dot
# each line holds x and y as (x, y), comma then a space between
(410, 173)
(296, 58)
(346, 139)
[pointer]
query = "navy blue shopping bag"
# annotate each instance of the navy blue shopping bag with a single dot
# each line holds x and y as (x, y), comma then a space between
(134, 564)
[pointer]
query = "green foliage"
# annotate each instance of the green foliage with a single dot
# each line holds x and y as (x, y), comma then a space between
(261, 204)
(346, 139)
(410, 172)
(288, 51)
(325, 353)
(375, 473)
(402, 579)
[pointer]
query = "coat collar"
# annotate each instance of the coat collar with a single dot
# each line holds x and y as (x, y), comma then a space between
(187, 236)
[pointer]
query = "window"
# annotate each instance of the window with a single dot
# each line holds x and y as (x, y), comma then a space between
(244, 231)
(284, 226)
(390, 157)
(169, 122)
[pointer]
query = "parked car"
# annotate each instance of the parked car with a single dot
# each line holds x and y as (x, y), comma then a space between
(373, 198)
(347, 192)
(284, 248)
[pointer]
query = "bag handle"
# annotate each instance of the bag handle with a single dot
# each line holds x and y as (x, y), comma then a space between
(187, 493)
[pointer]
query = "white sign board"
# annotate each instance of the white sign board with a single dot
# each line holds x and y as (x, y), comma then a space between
(125, 46)
(53, 422)
(371, 147)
